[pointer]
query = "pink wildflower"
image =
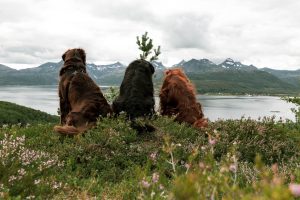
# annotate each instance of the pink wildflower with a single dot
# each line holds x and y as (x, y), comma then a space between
(161, 187)
(202, 165)
(187, 166)
(233, 168)
(295, 189)
(153, 156)
(155, 177)
(145, 184)
(212, 141)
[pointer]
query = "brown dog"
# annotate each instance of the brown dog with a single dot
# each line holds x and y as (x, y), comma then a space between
(81, 100)
(178, 97)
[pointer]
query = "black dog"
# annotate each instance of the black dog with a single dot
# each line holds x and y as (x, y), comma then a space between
(136, 92)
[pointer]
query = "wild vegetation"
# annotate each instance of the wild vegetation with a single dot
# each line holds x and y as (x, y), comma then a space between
(11, 113)
(235, 82)
(295, 100)
(146, 46)
(233, 159)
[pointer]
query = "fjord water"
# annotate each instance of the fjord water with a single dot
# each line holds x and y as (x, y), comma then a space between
(234, 107)
(45, 98)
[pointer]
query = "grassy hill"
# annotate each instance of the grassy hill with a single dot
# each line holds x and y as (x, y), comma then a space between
(291, 77)
(241, 82)
(11, 113)
(176, 161)
(45, 74)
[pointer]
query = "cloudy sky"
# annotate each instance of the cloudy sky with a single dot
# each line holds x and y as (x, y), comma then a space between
(262, 33)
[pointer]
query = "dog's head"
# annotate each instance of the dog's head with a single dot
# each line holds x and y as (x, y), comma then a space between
(75, 58)
(75, 54)
(142, 65)
(175, 71)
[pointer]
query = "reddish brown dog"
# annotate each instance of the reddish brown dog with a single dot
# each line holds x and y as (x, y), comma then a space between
(81, 100)
(178, 97)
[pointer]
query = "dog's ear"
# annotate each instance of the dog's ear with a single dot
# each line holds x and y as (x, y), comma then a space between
(82, 55)
(151, 68)
(167, 72)
(64, 55)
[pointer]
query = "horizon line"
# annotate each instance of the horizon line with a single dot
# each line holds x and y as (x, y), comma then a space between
(30, 66)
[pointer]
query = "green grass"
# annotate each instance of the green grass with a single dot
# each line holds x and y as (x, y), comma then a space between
(177, 161)
(11, 113)
(237, 82)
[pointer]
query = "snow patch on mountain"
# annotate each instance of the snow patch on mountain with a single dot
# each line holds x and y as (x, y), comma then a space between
(158, 65)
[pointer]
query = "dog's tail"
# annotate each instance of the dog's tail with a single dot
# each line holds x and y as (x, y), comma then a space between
(68, 130)
(201, 123)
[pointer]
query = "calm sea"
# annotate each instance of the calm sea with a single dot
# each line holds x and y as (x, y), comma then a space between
(45, 98)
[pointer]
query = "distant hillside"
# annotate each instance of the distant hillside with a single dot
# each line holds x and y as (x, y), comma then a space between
(256, 82)
(6, 69)
(292, 77)
(11, 113)
(47, 74)
(227, 77)
(234, 77)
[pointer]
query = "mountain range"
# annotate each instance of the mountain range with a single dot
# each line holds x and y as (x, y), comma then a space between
(227, 77)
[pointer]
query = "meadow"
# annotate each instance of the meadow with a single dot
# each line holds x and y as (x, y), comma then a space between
(231, 159)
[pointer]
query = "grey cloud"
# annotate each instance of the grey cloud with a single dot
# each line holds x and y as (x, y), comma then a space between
(123, 10)
(26, 55)
(186, 30)
(16, 11)
(35, 31)
(272, 4)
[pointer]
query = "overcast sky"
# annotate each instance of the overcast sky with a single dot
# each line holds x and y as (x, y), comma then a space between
(265, 33)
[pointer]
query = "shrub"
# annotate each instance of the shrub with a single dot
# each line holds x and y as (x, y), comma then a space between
(274, 141)
(176, 161)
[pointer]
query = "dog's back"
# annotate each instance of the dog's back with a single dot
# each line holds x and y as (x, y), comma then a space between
(87, 98)
(81, 100)
(178, 97)
(136, 92)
